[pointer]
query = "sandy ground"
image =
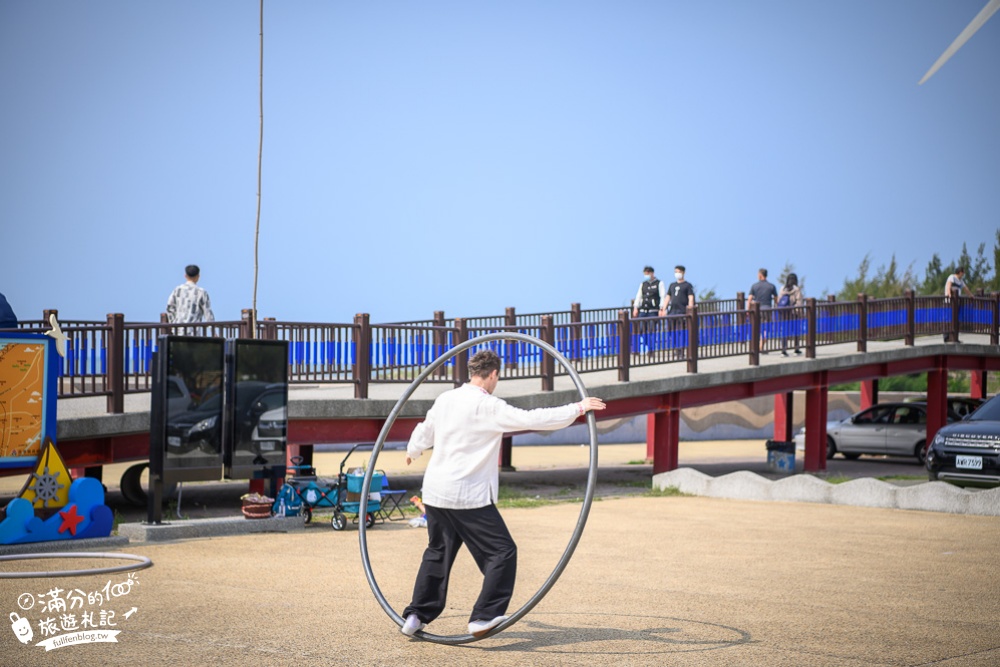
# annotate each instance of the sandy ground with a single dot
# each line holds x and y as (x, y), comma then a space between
(655, 580)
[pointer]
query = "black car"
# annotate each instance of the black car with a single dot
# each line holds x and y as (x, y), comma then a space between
(967, 453)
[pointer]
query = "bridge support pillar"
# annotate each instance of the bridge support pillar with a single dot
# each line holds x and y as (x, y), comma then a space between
(816, 411)
(506, 451)
(784, 405)
(663, 435)
(977, 384)
(937, 398)
(869, 393)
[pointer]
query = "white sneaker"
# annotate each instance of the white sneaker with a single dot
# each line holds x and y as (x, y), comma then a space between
(479, 628)
(412, 625)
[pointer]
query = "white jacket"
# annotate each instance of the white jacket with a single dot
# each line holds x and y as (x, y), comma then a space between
(465, 426)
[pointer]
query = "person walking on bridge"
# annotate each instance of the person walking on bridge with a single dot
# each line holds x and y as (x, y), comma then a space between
(650, 301)
(764, 293)
(465, 427)
(189, 303)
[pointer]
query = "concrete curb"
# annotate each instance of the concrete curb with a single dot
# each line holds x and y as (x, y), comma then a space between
(64, 546)
(213, 527)
(863, 492)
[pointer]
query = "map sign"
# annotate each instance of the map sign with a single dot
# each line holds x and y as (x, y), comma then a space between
(27, 397)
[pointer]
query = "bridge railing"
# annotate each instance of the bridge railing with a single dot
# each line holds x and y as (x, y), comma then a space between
(113, 358)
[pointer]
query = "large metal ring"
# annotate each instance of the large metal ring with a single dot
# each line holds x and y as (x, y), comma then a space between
(142, 562)
(580, 522)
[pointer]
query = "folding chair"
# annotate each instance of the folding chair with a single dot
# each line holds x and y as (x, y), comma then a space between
(392, 501)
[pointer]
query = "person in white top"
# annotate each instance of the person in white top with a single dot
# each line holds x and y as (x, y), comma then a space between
(465, 427)
(953, 288)
(956, 283)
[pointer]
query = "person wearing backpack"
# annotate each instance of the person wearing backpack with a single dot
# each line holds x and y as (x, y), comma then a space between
(789, 297)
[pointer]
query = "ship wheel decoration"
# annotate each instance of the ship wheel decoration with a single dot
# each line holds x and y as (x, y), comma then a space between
(45, 486)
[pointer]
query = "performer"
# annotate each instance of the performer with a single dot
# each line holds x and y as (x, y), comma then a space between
(465, 426)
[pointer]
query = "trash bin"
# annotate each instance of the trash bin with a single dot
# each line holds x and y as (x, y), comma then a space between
(781, 456)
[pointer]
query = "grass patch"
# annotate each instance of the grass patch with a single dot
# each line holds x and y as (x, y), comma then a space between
(638, 462)
(667, 492)
(636, 483)
(903, 478)
(837, 479)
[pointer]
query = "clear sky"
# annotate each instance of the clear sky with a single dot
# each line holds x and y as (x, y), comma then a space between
(467, 156)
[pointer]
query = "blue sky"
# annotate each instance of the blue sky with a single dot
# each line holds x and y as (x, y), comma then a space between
(468, 156)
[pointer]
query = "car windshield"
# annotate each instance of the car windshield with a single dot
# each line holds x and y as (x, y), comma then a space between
(988, 411)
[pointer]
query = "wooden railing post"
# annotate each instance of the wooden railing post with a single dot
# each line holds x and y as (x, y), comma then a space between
(45, 316)
(575, 331)
(510, 347)
(995, 318)
(956, 304)
(164, 318)
(440, 340)
(116, 363)
(911, 317)
(692, 355)
(462, 360)
(741, 308)
(270, 328)
(624, 344)
(862, 322)
(548, 361)
(362, 354)
(755, 333)
(810, 328)
(246, 324)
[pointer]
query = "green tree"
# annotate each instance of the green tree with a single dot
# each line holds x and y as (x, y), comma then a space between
(886, 282)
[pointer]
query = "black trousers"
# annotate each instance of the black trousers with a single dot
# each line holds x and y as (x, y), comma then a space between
(483, 531)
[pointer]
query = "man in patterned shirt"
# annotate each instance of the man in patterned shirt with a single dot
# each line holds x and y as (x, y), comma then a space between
(188, 302)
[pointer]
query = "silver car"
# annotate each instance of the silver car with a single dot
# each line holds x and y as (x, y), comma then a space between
(899, 429)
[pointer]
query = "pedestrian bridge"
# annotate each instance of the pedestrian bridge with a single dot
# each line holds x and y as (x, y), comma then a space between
(331, 413)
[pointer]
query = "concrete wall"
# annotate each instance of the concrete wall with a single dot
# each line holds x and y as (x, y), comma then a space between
(749, 419)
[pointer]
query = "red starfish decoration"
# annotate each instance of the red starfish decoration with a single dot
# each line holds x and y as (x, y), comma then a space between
(70, 520)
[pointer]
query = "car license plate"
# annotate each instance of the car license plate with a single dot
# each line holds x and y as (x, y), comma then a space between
(970, 462)
(174, 440)
(267, 446)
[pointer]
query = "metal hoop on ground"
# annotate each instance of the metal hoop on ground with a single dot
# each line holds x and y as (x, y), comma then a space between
(580, 522)
(142, 562)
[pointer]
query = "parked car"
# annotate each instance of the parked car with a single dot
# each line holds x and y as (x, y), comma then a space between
(958, 406)
(898, 429)
(967, 453)
(200, 427)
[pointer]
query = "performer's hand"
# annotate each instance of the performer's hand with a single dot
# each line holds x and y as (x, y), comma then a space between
(592, 403)
(635, 312)
(663, 311)
(408, 460)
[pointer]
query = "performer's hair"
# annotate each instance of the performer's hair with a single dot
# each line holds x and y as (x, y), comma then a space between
(483, 363)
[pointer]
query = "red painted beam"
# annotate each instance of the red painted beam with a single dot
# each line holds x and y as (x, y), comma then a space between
(869, 393)
(816, 415)
(666, 436)
(784, 405)
(342, 431)
(977, 384)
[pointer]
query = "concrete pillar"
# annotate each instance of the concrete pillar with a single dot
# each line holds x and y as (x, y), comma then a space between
(665, 435)
(816, 412)
(869, 393)
(784, 405)
(977, 384)
(937, 399)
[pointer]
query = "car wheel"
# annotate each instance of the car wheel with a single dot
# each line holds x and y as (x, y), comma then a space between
(831, 448)
(851, 457)
(920, 451)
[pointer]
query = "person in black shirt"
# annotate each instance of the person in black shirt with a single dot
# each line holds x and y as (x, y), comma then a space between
(764, 293)
(680, 293)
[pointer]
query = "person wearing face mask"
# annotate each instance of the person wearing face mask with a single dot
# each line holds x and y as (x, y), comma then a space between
(650, 301)
(681, 293)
